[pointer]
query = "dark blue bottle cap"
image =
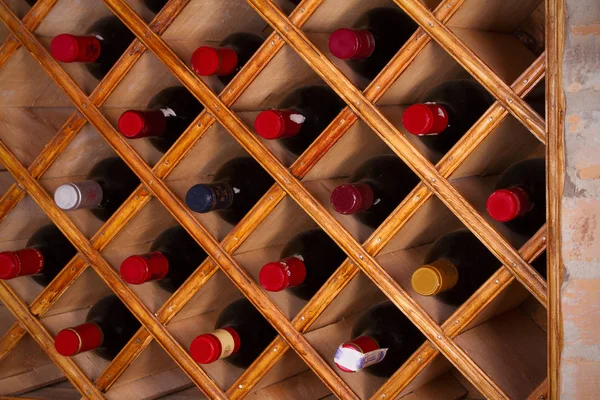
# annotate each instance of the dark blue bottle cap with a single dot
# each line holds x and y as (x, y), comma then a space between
(203, 198)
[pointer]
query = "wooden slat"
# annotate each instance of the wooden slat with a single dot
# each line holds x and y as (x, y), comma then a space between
(469, 60)
(32, 19)
(541, 392)
(417, 198)
(555, 170)
(35, 328)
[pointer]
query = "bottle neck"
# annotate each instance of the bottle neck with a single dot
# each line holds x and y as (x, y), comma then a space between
(283, 274)
(203, 198)
(352, 198)
(135, 124)
(143, 268)
(210, 347)
(70, 48)
(209, 61)
(434, 278)
(425, 119)
(358, 353)
(278, 124)
(78, 339)
(352, 44)
(507, 204)
(29, 261)
(72, 196)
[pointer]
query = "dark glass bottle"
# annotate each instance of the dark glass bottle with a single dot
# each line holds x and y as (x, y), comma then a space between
(241, 334)
(237, 186)
(300, 117)
(169, 114)
(154, 5)
(108, 185)
(44, 256)
(104, 44)
(31, 2)
(380, 327)
(376, 189)
(173, 257)
(447, 112)
(376, 38)
(456, 265)
(306, 262)
(109, 326)
(226, 60)
(520, 197)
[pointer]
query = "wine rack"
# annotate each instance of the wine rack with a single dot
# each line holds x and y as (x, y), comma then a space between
(493, 346)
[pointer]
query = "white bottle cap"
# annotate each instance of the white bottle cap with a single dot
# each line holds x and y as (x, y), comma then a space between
(67, 196)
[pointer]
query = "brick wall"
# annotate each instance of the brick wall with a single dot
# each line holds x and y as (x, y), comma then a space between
(580, 366)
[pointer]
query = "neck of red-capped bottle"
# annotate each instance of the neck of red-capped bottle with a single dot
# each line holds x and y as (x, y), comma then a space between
(352, 44)
(278, 124)
(358, 353)
(283, 274)
(135, 124)
(78, 339)
(143, 268)
(425, 119)
(507, 204)
(352, 198)
(220, 343)
(29, 261)
(70, 48)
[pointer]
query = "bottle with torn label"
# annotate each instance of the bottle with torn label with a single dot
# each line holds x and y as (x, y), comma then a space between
(305, 264)
(167, 116)
(109, 326)
(44, 256)
(446, 113)
(236, 188)
(107, 186)
(99, 49)
(374, 190)
(455, 266)
(383, 339)
(241, 334)
(300, 117)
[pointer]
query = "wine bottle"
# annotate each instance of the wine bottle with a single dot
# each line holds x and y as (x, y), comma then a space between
(520, 197)
(237, 186)
(104, 44)
(169, 114)
(241, 334)
(376, 38)
(305, 264)
(376, 189)
(46, 253)
(31, 2)
(447, 112)
(108, 327)
(226, 60)
(154, 5)
(300, 117)
(383, 339)
(173, 257)
(456, 265)
(540, 264)
(107, 186)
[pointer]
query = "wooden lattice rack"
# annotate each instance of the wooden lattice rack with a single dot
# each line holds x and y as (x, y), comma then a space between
(362, 108)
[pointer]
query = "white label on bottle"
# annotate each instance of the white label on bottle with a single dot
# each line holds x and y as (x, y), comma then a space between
(227, 342)
(298, 118)
(354, 360)
(168, 112)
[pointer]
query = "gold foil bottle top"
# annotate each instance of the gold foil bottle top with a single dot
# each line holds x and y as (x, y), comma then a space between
(433, 278)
